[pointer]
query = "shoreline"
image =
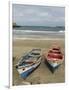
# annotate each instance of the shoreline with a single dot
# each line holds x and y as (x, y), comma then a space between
(38, 38)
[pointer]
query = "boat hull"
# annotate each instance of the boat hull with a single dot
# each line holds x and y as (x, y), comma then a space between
(25, 73)
(53, 65)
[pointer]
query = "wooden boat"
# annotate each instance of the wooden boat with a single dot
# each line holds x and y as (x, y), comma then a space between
(29, 62)
(54, 58)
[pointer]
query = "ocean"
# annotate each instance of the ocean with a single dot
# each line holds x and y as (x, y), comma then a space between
(38, 32)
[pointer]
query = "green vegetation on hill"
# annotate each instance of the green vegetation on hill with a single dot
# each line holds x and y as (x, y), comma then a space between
(15, 25)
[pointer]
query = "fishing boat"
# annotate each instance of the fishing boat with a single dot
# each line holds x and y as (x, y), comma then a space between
(29, 62)
(54, 58)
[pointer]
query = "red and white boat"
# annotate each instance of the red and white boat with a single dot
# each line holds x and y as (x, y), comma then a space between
(54, 58)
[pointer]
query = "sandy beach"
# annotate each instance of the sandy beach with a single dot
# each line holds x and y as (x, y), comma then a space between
(37, 27)
(42, 75)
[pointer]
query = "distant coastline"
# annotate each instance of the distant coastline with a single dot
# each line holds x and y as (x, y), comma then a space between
(18, 27)
(25, 26)
(14, 25)
(40, 26)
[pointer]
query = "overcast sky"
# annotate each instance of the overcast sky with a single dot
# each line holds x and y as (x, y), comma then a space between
(30, 15)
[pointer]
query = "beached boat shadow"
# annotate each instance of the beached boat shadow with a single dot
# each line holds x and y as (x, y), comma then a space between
(50, 67)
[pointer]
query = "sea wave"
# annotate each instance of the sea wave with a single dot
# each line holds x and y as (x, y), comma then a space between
(61, 31)
(38, 38)
(36, 31)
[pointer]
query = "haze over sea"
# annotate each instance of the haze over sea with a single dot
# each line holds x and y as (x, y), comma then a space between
(38, 32)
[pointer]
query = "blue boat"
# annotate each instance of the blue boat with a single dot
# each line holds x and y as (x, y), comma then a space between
(29, 62)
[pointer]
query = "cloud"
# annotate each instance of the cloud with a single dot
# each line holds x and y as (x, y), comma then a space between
(44, 14)
(38, 15)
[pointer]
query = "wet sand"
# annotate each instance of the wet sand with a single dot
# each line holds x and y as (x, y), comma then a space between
(42, 75)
